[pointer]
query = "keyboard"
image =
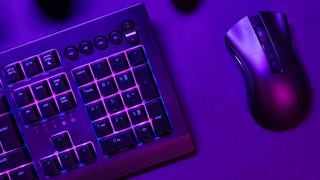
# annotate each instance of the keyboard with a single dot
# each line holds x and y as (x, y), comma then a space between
(91, 101)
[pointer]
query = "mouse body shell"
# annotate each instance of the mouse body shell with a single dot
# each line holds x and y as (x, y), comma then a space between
(279, 100)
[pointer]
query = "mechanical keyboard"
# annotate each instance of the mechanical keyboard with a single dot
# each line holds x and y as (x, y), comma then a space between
(91, 101)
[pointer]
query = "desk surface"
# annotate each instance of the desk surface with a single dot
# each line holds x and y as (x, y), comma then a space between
(209, 83)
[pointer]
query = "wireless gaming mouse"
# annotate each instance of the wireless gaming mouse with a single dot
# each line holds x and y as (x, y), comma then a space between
(278, 90)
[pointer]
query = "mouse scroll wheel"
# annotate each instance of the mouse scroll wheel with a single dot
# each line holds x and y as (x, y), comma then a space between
(262, 34)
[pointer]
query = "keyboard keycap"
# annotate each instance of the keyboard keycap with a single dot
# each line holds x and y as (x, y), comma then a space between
(59, 84)
(82, 75)
(100, 42)
(100, 69)
(14, 159)
(50, 166)
(138, 115)
(86, 153)
(107, 87)
(96, 110)
(118, 142)
(41, 90)
(102, 127)
(120, 121)
(144, 133)
(125, 80)
(25, 173)
(89, 93)
(66, 102)
(113, 104)
(61, 141)
(10, 137)
(4, 177)
(146, 83)
(30, 114)
(23, 96)
(48, 108)
(159, 118)
(13, 73)
(131, 97)
(118, 63)
(4, 105)
(68, 160)
(31, 66)
(136, 56)
(50, 60)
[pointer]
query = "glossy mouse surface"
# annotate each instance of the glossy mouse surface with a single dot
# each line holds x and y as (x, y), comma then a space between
(278, 90)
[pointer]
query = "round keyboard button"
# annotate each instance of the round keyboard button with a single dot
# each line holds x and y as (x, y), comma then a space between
(128, 25)
(71, 53)
(86, 48)
(115, 37)
(100, 42)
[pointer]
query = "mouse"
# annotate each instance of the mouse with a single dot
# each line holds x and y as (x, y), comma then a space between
(56, 9)
(278, 90)
(186, 6)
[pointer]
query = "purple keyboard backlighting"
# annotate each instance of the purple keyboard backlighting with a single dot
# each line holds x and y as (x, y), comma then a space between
(91, 101)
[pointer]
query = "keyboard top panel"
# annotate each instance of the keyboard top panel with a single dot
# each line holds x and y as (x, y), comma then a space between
(92, 99)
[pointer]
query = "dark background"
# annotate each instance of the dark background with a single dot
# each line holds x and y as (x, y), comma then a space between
(209, 83)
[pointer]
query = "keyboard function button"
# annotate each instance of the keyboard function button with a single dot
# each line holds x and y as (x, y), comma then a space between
(138, 115)
(61, 141)
(50, 60)
(113, 104)
(131, 98)
(41, 90)
(66, 102)
(89, 93)
(144, 133)
(31, 66)
(10, 136)
(59, 84)
(48, 108)
(86, 47)
(128, 25)
(120, 121)
(146, 82)
(13, 73)
(100, 69)
(125, 80)
(30, 114)
(23, 96)
(107, 87)
(118, 142)
(50, 166)
(4, 105)
(159, 118)
(71, 52)
(132, 37)
(100, 42)
(102, 127)
(27, 172)
(82, 75)
(136, 56)
(118, 62)
(86, 153)
(68, 160)
(115, 37)
(96, 110)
